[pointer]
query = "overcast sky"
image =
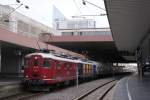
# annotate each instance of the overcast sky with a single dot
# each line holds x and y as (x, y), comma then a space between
(41, 10)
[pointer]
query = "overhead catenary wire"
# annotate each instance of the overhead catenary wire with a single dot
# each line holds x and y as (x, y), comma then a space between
(11, 12)
(19, 5)
(79, 9)
(84, 3)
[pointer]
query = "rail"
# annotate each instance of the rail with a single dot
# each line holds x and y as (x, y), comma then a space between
(94, 89)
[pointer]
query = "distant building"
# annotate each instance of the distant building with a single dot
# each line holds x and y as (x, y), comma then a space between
(21, 24)
(86, 31)
(77, 26)
(61, 22)
(58, 19)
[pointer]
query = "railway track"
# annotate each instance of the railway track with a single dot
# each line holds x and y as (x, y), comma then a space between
(72, 93)
(22, 96)
(98, 93)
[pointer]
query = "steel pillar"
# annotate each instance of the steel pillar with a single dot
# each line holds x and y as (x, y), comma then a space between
(140, 71)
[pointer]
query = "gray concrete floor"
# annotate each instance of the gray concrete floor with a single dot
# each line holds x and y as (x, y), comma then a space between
(133, 88)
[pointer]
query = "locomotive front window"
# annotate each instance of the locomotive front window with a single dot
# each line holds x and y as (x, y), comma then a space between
(35, 62)
(46, 63)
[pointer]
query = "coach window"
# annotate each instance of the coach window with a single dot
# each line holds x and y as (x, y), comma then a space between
(67, 65)
(35, 62)
(72, 65)
(46, 63)
(58, 65)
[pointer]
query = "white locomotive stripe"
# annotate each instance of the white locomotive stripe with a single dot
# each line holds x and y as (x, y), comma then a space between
(49, 55)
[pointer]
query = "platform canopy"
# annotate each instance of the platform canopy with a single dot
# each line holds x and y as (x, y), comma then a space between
(129, 21)
(96, 47)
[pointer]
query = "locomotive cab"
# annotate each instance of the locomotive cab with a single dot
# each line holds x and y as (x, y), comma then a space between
(38, 69)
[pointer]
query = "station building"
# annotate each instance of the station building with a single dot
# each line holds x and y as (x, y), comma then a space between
(21, 24)
(19, 35)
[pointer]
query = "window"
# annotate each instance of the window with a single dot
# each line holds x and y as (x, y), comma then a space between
(67, 65)
(80, 33)
(72, 33)
(58, 65)
(46, 63)
(35, 62)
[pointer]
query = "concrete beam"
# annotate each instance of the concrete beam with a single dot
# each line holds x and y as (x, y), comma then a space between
(94, 38)
(17, 39)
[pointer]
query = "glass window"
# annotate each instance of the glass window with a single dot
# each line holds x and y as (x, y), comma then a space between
(58, 65)
(46, 63)
(80, 33)
(67, 65)
(35, 62)
(72, 33)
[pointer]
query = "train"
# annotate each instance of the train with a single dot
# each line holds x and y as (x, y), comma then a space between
(44, 70)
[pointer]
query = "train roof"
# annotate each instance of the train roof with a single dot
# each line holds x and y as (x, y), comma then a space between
(56, 57)
(52, 56)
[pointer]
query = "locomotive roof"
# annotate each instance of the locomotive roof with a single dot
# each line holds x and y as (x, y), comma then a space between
(52, 56)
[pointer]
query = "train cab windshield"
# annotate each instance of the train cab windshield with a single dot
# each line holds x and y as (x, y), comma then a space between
(33, 61)
(47, 63)
(42, 62)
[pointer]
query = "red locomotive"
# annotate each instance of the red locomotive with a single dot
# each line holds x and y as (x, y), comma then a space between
(44, 70)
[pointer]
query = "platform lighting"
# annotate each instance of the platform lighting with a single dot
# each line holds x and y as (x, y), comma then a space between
(84, 3)
(27, 7)
(18, 1)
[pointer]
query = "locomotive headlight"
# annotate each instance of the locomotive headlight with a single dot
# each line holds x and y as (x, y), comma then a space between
(44, 76)
(26, 76)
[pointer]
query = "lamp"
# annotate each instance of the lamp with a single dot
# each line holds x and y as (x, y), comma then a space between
(84, 3)
(18, 1)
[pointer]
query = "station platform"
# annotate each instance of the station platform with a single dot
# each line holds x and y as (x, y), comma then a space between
(133, 88)
(9, 87)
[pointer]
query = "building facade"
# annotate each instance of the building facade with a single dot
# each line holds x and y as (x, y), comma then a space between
(21, 24)
(61, 22)
(86, 31)
(76, 26)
